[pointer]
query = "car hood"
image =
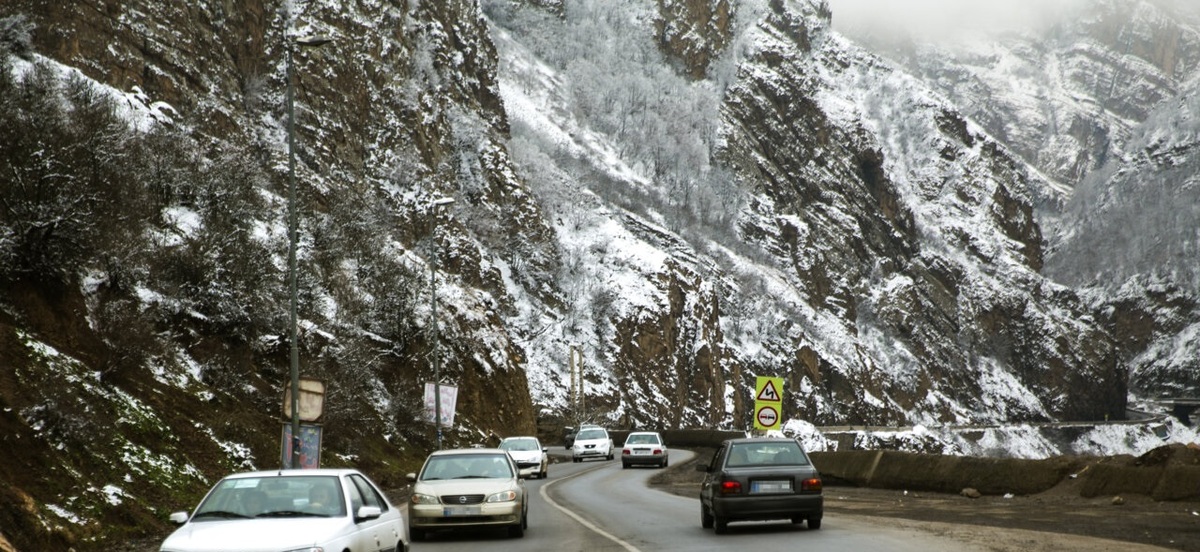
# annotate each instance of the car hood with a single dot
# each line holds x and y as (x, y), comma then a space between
(254, 535)
(525, 455)
(439, 487)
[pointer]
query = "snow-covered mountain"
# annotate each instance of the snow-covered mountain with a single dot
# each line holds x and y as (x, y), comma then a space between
(1099, 96)
(655, 202)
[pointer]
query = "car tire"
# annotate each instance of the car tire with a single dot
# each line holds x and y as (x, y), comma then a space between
(609, 457)
(624, 466)
(663, 464)
(720, 525)
(516, 531)
(543, 474)
(814, 523)
(706, 519)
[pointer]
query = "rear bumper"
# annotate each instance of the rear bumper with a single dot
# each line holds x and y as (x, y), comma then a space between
(763, 507)
(643, 459)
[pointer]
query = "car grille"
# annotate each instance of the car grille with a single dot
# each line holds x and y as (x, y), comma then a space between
(462, 499)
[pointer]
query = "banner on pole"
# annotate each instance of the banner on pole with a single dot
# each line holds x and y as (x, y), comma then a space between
(449, 399)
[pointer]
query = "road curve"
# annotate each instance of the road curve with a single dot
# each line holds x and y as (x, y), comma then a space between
(597, 505)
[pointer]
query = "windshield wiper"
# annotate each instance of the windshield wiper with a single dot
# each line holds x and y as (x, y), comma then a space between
(290, 513)
(219, 513)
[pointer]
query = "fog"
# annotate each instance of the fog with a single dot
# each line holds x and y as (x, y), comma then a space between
(947, 19)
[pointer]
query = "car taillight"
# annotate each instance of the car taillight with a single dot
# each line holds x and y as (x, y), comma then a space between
(813, 485)
(731, 487)
(626, 451)
(658, 451)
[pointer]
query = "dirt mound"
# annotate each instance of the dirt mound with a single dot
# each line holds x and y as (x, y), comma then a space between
(1166, 473)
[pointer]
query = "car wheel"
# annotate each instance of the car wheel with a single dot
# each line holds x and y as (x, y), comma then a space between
(609, 457)
(516, 531)
(720, 525)
(624, 466)
(706, 519)
(664, 463)
(543, 474)
(814, 523)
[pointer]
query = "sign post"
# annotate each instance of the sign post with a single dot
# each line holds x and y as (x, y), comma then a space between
(768, 403)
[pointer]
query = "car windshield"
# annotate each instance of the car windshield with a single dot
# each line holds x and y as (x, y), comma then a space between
(273, 496)
(783, 453)
(642, 439)
(520, 444)
(467, 466)
(586, 434)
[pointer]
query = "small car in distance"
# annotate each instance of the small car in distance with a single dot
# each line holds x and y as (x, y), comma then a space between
(269, 511)
(644, 448)
(468, 488)
(531, 457)
(760, 478)
(591, 442)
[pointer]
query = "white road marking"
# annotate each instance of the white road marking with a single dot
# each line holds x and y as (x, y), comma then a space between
(584, 522)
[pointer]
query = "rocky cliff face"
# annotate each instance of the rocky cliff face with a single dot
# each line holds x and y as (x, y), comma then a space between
(400, 109)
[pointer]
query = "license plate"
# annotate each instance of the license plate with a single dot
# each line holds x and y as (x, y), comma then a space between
(468, 510)
(641, 452)
(771, 486)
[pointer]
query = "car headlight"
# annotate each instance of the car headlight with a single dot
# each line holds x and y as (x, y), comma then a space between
(418, 498)
(503, 496)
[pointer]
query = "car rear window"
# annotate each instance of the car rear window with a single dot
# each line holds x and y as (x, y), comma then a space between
(783, 453)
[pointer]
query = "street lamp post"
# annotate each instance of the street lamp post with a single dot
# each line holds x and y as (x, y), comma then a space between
(293, 333)
(437, 364)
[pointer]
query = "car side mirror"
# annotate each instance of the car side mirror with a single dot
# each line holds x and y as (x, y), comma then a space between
(702, 468)
(179, 518)
(368, 512)
(412, 477)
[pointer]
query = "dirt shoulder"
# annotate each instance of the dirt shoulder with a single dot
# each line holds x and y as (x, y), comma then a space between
(1056, 519)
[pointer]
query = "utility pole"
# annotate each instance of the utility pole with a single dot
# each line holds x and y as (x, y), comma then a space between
(290, 42)
(436, 341)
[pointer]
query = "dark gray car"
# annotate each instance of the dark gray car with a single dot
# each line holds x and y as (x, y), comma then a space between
(760, 478)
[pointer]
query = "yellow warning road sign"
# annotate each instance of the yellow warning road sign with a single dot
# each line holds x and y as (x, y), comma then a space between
(768, 390)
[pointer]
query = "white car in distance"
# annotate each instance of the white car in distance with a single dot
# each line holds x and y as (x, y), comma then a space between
(531, 457)
(591, 442)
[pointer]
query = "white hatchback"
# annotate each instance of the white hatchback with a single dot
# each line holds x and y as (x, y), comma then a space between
(269, 511)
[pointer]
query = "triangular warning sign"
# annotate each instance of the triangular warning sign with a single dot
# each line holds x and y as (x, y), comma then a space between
(769, 393)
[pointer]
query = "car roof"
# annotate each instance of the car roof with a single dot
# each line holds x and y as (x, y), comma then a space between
(643, 433)
(483, 451)
(518, 438)
(741, 440)
(293, 473)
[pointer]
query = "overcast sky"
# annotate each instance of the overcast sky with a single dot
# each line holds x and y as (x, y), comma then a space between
(947, 18)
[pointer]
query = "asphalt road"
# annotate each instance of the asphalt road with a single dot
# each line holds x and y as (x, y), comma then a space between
(596, 505)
